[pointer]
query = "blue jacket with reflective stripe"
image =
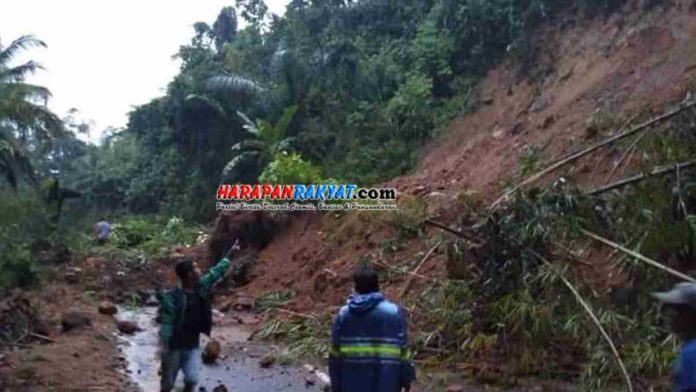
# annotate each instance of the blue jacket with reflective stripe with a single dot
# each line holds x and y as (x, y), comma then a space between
(369, 350)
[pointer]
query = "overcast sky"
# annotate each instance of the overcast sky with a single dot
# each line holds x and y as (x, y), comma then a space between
(103, 57)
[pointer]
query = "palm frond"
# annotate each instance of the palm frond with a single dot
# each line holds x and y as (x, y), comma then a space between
(22, 43)
(20, 72)
(37, 118)
(211, 103)
(237, 162)
(281, 127)
(23, 91)
(233, 84)
(14, 160)
(285, 145)
(248, 145)
(249, 125)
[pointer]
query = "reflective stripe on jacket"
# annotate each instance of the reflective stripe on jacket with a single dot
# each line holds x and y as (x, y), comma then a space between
(369, 350)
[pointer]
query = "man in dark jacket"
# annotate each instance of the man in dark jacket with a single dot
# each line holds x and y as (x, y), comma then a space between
(185, 313)
(369, 350)
(679, 309)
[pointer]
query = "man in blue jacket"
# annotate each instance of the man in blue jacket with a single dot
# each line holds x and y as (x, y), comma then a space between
(679, 307)
(369, 350)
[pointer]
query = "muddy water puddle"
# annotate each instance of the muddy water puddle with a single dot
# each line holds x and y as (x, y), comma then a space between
(237, 369)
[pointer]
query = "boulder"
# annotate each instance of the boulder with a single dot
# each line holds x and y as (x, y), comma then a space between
(267, 361)
(107, 308)
(72, 320)
(220, 388)
(243, 303)
(70, 277)
(42, 327)
(211, 352)
(128, 327)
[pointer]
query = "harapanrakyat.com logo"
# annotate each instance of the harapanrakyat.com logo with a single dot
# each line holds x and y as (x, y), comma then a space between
(303, 197)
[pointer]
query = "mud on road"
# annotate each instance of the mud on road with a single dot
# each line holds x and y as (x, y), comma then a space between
(238, 367)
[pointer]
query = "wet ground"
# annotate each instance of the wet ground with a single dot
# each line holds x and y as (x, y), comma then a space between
(237, 369)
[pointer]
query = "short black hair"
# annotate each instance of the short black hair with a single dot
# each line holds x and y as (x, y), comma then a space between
(366, 280)
(183, 267)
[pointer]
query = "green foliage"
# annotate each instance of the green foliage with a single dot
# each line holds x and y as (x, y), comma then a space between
(304, 336)
(290, 169)
(410, 109)
(268, 141)
(143, 238)
(24, 223)
(23, 121)
(274, 299)
(529, 162)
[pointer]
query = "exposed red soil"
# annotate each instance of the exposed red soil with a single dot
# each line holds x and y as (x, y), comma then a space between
(83, 359)
(633, 62)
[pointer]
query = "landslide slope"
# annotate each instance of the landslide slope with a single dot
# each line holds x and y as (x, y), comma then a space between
(589, 78)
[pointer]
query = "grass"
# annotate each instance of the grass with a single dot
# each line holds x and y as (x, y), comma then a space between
(303, 337)
(274, 299)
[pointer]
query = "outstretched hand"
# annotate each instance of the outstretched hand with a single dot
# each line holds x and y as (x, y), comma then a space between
(234, 248)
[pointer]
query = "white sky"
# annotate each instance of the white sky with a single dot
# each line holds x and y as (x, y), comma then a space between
(104, 57)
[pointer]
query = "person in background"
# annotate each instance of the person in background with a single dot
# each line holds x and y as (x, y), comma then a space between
(369, 345)
(102, 230)
(185, 313)
(679, 309)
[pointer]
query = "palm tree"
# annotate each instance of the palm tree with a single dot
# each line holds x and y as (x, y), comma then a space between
(265, 141)
(23, 111)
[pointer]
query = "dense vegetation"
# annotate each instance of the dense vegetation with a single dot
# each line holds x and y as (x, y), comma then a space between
(352, 88)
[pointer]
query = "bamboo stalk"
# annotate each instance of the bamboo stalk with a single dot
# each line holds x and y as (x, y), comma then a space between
(415, 271)
(574, 156)
(629, 151)
(592, 315)
(42, 337)
(638, 256)
(606, 153)
(450, 230)
(642, 176)
(587, 308)
(307, 316)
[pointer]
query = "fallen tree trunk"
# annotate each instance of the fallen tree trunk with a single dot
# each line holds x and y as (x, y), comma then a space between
(574, 156)
(642, 176)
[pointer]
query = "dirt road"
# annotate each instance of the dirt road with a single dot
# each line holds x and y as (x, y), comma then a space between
(237, 369)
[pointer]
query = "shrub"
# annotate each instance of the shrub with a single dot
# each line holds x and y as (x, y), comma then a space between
(290, 169)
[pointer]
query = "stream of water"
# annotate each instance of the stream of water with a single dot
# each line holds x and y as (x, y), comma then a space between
(238, 367)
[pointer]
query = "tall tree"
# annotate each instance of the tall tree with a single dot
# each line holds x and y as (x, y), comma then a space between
(24, 117)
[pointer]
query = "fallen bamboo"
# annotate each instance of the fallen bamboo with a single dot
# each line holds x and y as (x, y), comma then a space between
(607, 152)
(642, 176)
(291, 312)
(574, 156)
(407, 272)
(450, 230)
(629, 151)
(638, 256)
(592, 315)
(584, 304)
(407, 286)
(42, 337)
